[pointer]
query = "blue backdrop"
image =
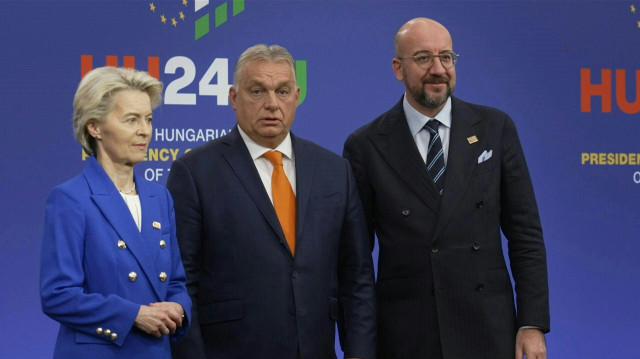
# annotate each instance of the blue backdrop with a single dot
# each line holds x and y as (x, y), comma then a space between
(567, 72)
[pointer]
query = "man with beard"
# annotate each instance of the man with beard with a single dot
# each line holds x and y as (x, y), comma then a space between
(439, 179)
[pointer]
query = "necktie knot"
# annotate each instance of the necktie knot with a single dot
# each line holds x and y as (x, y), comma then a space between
(275, 157)
(432, 126)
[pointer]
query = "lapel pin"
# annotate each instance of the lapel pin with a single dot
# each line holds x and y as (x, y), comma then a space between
(156, 225)
(473, 139)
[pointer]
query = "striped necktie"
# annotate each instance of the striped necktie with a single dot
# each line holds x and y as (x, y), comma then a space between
(435, 155)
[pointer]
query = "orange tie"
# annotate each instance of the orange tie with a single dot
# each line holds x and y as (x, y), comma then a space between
(284, 201)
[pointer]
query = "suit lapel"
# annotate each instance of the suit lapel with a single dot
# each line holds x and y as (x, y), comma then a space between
(151, 236)
(396, 146)
(462, 159)
(239, 159)
(110, 202)
(305, 172)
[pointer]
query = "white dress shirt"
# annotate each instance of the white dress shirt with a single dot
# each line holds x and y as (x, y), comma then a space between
(264, 166)
(421, 136)
(133, 202)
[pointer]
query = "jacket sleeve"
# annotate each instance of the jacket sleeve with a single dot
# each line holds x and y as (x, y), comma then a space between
(357, 325)
(353, 153)
(177, 291)
(520, 223)
(62, 276)
(189, 223)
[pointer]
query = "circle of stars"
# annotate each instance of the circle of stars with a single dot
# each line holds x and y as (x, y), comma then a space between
(633, 11)
(164, 19)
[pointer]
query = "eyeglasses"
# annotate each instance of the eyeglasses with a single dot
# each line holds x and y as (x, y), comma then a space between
(424, 60)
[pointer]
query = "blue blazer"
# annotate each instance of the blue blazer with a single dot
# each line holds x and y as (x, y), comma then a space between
(252, 298)
(90, 247)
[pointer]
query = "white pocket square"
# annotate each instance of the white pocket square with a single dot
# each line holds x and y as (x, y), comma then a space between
(485, 156)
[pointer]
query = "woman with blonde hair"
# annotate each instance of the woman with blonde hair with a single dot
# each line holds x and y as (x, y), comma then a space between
(111, 272)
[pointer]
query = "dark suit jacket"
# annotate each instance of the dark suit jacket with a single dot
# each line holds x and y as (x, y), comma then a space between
(252, 299)
(84, 272)
(443, 286)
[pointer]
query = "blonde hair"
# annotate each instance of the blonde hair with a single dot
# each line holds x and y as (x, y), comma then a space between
(93, 99)
(262, 52)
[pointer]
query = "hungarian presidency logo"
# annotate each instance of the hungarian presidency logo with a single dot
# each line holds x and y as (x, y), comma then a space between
(615, 89)
(176, 13)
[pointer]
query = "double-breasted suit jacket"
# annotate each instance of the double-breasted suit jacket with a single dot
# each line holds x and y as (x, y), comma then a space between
(252, 298)
(443, 287)
(97, 268)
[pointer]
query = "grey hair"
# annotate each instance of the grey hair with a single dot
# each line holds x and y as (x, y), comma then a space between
(93, 99)
(262, 52)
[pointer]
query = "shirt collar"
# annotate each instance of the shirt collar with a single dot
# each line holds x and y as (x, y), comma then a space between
(416, 120)
(256, 150)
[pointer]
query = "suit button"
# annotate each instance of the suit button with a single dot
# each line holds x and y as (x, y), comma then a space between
(480, 287)
(99, 331)
(476, 246)
(163, 243)
(295, 275)
(107, 332)
(406, 212)
(162, 276)
(434, 250)
(121, 244)
(114, 336)
(133, 276)
(480, 204)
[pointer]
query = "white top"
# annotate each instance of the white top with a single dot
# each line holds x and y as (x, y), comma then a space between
(133, 202)
(264, 166)
(421, 136)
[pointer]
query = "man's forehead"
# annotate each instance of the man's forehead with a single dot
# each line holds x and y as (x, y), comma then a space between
(268, 66)
(427, 44)
(268, 71)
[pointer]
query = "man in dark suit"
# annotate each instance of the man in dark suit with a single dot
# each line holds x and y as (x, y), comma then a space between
(272, 233)
(439, 178)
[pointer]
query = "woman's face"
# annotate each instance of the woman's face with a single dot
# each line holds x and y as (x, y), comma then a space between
(123, 138)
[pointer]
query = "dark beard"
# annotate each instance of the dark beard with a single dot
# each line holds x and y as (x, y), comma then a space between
(429, 101)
